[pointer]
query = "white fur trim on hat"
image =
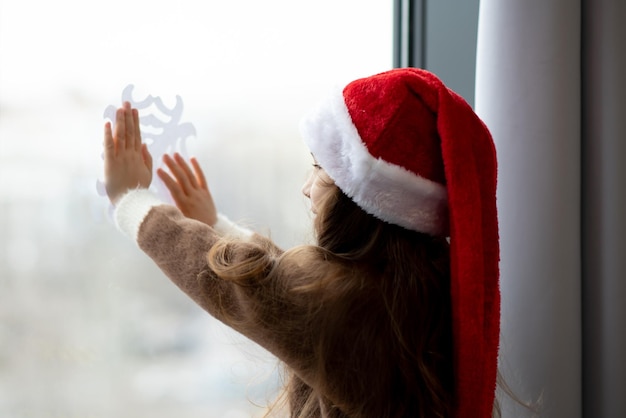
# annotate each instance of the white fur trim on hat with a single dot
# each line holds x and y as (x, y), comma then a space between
(382, 189)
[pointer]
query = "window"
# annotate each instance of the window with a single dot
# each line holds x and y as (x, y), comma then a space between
(88, 326)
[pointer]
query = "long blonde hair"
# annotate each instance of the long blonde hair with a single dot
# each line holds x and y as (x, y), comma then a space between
(376, 313)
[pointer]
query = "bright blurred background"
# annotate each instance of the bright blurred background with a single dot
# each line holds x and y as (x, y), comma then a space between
(88, 326)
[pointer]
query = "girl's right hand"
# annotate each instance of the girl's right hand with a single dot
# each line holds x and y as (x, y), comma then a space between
(189, 189)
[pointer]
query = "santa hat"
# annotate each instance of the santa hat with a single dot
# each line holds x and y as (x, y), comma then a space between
(413, 153)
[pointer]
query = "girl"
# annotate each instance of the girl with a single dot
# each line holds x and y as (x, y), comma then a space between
(395, 311)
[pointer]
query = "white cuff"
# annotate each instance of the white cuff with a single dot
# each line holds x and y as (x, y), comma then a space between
(225, 226)
(131, 210)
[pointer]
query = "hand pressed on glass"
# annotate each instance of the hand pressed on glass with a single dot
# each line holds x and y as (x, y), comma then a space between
(189, 189)
(127, 162)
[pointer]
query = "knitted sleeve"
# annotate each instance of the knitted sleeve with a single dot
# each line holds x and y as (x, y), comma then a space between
(179, 247)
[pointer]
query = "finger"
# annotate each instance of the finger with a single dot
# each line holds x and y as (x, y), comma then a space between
(183, 164)
(179, 174)
(147, 157)
(172, 185)
(137, 132)
(109, 144)
(129, 125)
(199, 174)
(120, 129)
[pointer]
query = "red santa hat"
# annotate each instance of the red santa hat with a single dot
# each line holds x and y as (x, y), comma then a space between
(413, 153)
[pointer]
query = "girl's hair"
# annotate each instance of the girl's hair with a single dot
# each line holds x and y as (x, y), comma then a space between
(372, 302)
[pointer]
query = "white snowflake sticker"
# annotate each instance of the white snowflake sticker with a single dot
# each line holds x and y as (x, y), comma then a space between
(161, 130)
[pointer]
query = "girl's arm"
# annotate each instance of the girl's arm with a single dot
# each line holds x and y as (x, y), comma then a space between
(179, 244)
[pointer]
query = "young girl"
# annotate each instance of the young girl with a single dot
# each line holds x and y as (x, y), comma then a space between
(395, 311)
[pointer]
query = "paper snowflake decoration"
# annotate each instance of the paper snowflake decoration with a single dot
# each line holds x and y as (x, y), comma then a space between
(161, 130)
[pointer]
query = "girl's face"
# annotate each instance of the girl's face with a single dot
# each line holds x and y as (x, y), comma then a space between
(316, 186)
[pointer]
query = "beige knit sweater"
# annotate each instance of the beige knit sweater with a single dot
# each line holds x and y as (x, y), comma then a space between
(178, 245)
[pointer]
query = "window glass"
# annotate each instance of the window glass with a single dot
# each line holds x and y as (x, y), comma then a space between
(88, 326)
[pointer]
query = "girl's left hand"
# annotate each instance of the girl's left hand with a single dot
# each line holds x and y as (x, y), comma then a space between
(127, 162)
